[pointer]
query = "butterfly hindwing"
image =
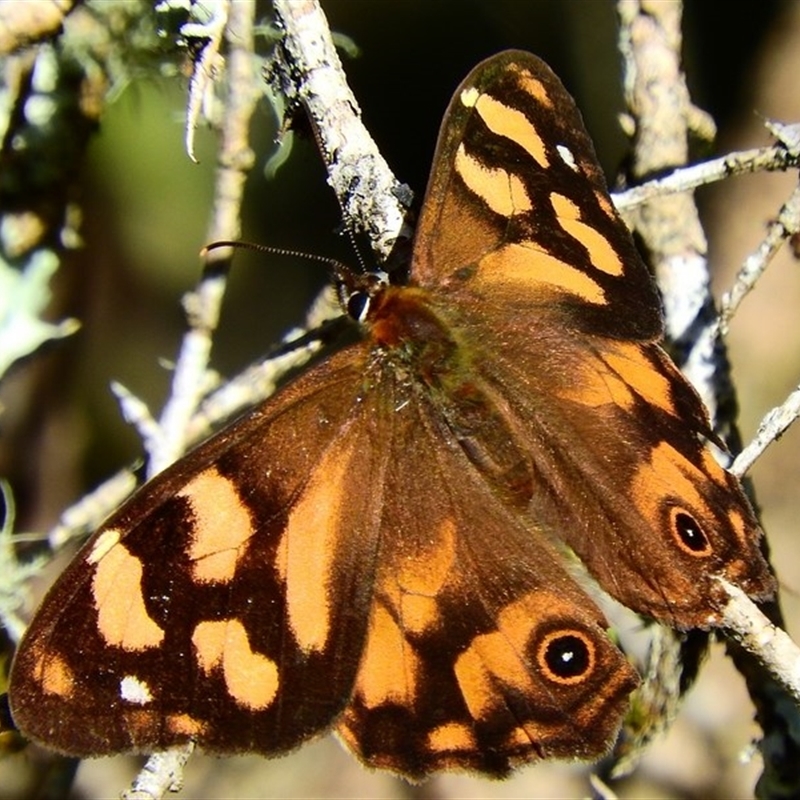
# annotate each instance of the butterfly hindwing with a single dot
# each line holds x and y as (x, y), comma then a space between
(482, 652)
(622, 424)
(432, 630)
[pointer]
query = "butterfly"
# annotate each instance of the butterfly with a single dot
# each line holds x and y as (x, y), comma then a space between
(391, 546)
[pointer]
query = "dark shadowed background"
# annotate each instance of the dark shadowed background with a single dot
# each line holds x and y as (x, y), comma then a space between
(146, 208)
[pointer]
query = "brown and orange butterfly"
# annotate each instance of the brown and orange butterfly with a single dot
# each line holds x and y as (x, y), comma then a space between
(387, 547)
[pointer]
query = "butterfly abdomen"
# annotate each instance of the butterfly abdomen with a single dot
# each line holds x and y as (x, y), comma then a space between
(437, 358)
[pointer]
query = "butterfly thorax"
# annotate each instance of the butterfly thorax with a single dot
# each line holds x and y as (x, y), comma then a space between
(404, 323)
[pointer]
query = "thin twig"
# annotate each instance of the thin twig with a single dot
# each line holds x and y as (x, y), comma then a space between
(772, 427)
(763, 159)
(162, 773)
(259, 381)
(772, 646)
(208, 64)
(16, 575)
(137, 413)
(203, 305)
(89, 512)
(658, 99)
(786, 225)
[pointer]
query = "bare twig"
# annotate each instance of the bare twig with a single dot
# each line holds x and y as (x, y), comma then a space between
(16, 575)
(659, 102)
(89, 512)
(786, 225)
(206, 66)
(772, 427)
(259, 381)
(772, 646)
(137, 413)
(372, 199)
(763, 159)
(162, 773)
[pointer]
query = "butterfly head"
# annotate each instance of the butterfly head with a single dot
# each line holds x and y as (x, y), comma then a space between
(357, 292)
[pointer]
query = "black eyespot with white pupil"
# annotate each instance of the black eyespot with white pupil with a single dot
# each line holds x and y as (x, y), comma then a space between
(567, 657)
(689, 534)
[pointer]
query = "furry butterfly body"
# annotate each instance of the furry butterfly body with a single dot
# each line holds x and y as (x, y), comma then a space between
(385, 547)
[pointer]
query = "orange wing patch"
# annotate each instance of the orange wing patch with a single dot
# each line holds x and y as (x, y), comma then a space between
(452, 737)
(308, 546)
(222, 526)
(389, 670)
(501, 191)
(122, 618)
(185, 725)
(512, 124)
(602, 255)
(53, 674)
(419, 577)
(533, 270)
(534, 87)
(631, 363)
(251, 678)
(673, 470)
(617, 377)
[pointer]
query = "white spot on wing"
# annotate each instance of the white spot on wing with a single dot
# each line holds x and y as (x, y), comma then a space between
(134, 690)
(567, 157)
(470, 96)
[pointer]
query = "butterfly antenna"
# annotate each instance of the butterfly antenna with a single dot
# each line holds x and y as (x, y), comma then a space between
(345, 219)
(353, 243)
(337, 266)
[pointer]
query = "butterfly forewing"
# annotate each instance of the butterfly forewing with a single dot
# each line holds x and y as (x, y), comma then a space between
(557, 312)
(217, 604)
(517, 214)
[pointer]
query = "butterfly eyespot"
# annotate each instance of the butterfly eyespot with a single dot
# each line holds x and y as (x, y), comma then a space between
(689, 535)
(566, 657)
